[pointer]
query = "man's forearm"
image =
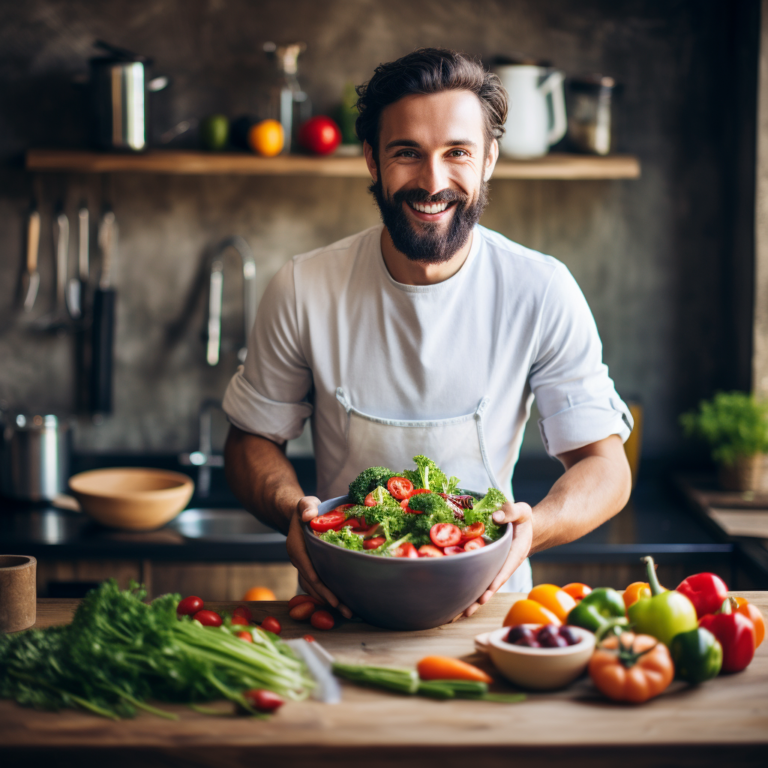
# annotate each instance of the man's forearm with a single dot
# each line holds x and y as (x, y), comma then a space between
(262, 478)
(595, 487)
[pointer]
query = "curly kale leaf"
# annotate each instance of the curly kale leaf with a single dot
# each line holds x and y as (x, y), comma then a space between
(343, 538)
(483, 509)
(392, 519)
(368, 480)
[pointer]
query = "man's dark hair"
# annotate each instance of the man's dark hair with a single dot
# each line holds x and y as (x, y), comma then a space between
(426, 71)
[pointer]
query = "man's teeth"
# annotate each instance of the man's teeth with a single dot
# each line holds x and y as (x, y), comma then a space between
(429, 207)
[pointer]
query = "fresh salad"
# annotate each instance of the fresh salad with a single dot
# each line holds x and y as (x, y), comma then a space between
(415, 513)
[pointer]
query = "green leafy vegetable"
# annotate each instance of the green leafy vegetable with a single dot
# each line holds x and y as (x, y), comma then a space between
(343, 538)
(366, 481)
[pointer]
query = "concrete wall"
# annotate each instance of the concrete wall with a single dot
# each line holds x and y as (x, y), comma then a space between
(652, 256)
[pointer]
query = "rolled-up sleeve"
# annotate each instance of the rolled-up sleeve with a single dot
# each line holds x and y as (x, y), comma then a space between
(575, 395)
(268, 394)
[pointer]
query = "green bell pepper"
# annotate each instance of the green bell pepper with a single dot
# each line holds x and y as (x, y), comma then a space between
(663, 615)
(600, 609)
(697, 654)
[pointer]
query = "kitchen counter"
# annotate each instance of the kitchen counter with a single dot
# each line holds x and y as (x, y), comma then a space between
(723, 722)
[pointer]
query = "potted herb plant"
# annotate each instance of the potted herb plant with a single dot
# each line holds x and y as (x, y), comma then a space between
(735, 425)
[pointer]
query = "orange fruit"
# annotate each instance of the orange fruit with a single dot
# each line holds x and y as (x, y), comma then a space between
(259, 593)
(266, 138)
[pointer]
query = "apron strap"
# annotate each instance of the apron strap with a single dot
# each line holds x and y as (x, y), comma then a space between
(481, 408)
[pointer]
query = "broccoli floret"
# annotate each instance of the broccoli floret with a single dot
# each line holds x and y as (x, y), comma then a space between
(366, 481)
(428, 503)
(434, 510)
(343, 538)
(483, 509)
(392, 519)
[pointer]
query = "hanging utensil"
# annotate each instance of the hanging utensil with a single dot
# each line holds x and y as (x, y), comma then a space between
(103, 329)
(77, 286)
(31, 278)
(58, 318)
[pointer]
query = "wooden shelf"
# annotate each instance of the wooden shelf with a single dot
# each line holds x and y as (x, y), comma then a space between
(554, 166)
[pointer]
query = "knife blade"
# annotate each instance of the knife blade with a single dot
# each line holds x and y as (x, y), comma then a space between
(31, 281)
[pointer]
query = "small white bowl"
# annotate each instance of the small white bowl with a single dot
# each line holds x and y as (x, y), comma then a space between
(539, 669)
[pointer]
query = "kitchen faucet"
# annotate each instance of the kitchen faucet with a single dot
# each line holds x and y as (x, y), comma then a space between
(213, 348)
(204, 458)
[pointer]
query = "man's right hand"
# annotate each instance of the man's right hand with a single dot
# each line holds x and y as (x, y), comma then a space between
(305, 511)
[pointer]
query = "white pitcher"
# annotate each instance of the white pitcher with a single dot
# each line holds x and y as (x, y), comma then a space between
(532, 125)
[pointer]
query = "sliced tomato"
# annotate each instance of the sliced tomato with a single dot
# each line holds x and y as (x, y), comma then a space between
(453, 550)
(369, 500)
(474, 544)
(428, 550)
(399, 487)
(405, 550)
(445, 535)
(327, 521)
(417, 491)
(473, 531)
(343, 508)
(374, 543)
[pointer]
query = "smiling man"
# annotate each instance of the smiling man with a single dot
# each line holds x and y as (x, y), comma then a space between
(428, 335)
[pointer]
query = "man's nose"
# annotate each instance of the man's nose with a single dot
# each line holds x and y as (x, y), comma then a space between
(433, 176)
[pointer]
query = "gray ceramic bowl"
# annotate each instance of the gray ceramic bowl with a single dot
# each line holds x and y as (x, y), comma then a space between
(405, 593)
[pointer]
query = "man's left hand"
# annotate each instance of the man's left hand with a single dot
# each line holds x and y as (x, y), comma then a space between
(520, 516)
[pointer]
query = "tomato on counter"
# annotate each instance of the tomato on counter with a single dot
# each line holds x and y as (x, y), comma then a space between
(320, 135)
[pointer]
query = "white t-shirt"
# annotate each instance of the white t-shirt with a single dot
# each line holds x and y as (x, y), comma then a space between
(511, 324)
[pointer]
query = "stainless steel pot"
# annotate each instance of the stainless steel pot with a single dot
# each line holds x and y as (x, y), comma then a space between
(120, 88)
(35, 456)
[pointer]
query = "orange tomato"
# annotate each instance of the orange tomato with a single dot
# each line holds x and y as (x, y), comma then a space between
(266, 138)
(752, 612)
(530, 612)
(446, 668)
(553, 599)
(255, 594)
(636, 680)
(577, 590)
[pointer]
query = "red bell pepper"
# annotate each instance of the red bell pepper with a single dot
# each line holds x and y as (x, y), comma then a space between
(706, 591)
(736, 634)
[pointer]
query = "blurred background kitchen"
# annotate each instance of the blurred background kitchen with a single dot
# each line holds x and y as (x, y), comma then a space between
(649, 198)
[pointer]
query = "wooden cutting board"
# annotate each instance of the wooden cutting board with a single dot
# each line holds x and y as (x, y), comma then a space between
(740, 522)
(721, 723)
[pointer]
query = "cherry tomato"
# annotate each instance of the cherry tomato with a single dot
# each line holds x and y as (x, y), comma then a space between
(271, 624)
(327, 521)
(264, 701)
(343, 508)
(309, 638)
(373, 543)
(405, 550)
(208, 618)
(302, 611)
(445, 535)
(369, 500)
(239, 620)
(243, 635)
(322, 620)
(473, 531)
(577, 590)
(427, 550)
(299, 599)
(474, 544)
(241, 610)
(320, 135)
(453, 550)
(189, 606)
(399, 487)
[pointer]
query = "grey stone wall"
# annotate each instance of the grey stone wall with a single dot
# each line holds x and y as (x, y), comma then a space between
(651, 255)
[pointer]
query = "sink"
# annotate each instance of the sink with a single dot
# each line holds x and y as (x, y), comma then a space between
(223, 525)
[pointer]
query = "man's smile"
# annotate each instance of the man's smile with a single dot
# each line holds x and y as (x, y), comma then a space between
(431, 211)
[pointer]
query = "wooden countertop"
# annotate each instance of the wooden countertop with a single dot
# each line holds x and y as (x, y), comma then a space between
(723, 722)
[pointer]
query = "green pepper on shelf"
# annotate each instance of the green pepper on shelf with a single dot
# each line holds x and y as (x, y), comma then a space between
(601, 609)
(697, 654)
(663, 615)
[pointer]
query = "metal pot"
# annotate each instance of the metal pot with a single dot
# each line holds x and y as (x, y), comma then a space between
(35, 454)
(120, 88)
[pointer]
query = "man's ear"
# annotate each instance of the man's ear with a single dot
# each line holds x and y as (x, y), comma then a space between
(490, 161)
(370, 162)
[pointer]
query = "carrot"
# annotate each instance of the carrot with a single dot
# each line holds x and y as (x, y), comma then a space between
(446, 668)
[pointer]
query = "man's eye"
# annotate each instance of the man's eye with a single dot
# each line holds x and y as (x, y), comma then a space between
(459, 153)
(406, 153)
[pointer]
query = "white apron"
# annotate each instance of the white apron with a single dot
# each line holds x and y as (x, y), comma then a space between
(457, 445)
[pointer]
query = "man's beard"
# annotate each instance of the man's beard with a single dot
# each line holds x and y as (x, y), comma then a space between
(429, 243)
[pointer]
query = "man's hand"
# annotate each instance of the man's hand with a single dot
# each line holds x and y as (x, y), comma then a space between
(520, 516)
(306, 510)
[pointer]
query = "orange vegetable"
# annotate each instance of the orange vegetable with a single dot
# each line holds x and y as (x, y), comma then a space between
(631, 668)
(577, 590)
(446, 668)
(530, 612)
(553, 599)
(254, 594)
(638, 590)
(752, 612)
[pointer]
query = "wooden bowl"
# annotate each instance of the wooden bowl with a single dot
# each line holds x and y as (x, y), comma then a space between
(18, 592)
(130, 498)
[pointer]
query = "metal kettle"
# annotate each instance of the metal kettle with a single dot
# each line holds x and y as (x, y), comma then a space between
(120, 86)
